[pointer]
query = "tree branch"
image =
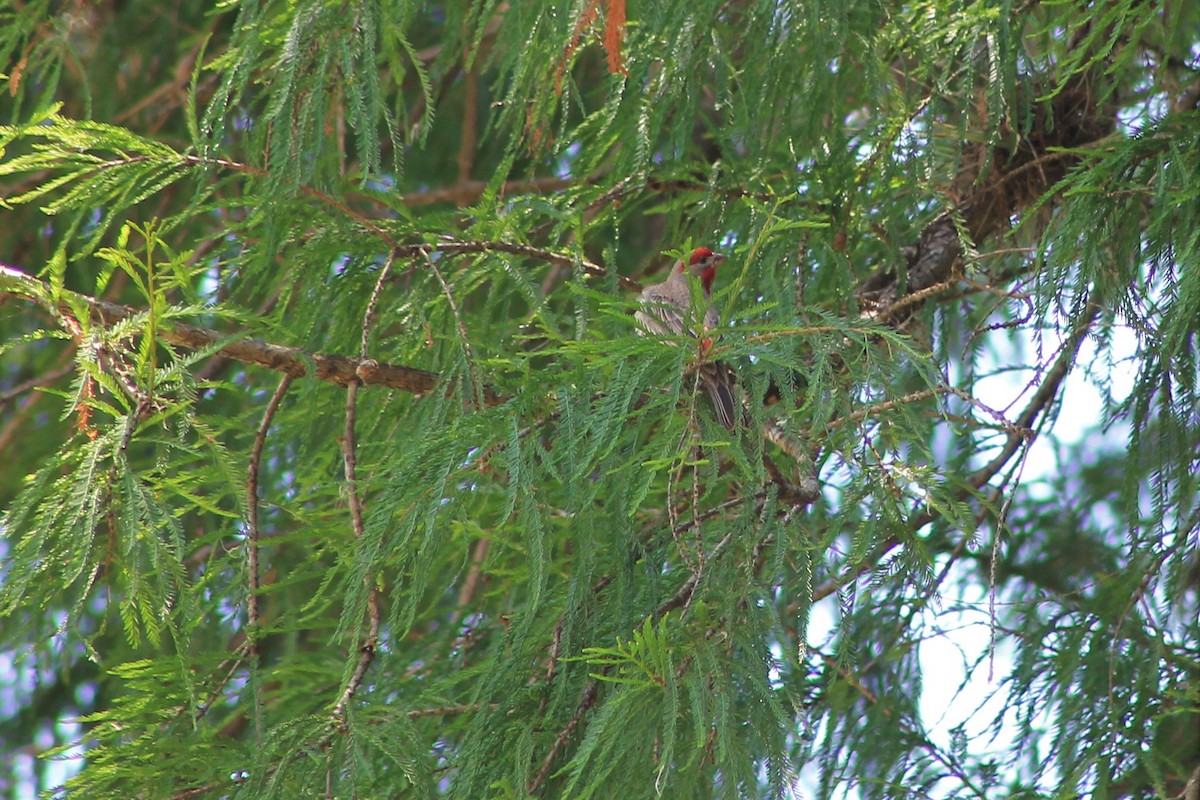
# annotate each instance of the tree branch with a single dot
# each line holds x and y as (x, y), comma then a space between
(1020, 432)
(1022, 169)
(289, 360)
(370, 641)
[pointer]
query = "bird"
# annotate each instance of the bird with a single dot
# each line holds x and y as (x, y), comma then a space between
(665, 310)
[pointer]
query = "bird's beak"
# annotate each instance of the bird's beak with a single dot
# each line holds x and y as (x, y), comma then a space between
(718, 259)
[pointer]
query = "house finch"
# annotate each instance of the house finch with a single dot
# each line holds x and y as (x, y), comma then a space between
(665, 310)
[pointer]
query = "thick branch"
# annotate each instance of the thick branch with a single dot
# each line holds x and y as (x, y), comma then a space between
(995, 182)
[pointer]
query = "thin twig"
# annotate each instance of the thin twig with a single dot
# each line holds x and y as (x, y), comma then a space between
(445, 711)
(466, 192)
(998, 532)
(231, 665)
(1003, 294)
(476, 386)
(683, 595)
(1041, 399)
(1001, 420)
(672, 516)
(852, 679)
(696, 529)
(252, 536)
(555, 648)
(457, 247)
(37, 381)
(887, 405)
(914, 299)
(586, 701)
(369, 314)
(370, 641)
(260, 439)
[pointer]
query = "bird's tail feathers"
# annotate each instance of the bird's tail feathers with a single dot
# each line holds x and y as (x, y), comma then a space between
(718, 382)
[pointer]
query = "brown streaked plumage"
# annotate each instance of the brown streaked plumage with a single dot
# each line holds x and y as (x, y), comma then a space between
(665, 311)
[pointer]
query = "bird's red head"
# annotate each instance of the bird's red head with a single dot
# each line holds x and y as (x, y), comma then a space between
(703, 264)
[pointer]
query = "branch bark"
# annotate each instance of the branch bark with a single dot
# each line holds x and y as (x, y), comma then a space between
(994, 183)
(291, 361)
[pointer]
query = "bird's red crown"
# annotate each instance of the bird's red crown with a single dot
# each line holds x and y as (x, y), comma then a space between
(703, 264)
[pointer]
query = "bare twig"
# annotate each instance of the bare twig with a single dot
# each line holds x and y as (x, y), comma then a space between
(887, 405)
(369, 314)
(683, 595)
(1041, 399)
(445, 711)
(252, 534)
(913, 299)
(456, 247)
(466, 192)
(230, 666)
(260, 439)
(585, 702)
(555, 648)
(476, 386)
(696, 528)
(44, 379)
(370, 640)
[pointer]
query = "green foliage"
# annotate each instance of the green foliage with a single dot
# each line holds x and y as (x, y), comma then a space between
(520, 557)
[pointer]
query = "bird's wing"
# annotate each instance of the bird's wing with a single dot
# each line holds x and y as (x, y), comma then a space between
(659, 314)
